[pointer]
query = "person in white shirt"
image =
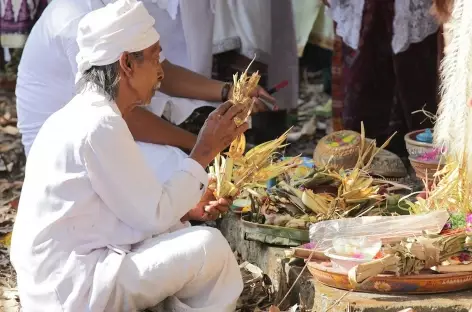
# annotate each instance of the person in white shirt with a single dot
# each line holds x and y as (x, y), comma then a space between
(95, 230)
(47, 70)
(265, 28)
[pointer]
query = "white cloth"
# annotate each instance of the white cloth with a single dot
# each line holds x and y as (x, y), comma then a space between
(45, 85)
(193, 267)
(247, 20)
(266, 29)
(82, 240)
(311, 20)
(171, 6)
(412, 22)
(104, 34)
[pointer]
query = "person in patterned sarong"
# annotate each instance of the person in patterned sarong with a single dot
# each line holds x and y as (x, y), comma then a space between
(384, 67)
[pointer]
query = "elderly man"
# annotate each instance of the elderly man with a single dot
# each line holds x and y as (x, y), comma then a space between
(96, 231)
(48, 67)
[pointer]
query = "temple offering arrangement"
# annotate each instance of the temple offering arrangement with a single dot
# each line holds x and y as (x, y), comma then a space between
(367, 229)
(301, 193)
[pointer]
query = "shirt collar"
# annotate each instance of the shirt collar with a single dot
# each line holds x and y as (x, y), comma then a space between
(96, 98)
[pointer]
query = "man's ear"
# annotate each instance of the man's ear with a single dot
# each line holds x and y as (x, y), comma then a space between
(125, 64)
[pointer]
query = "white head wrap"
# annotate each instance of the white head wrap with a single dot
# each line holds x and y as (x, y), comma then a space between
(104, 34)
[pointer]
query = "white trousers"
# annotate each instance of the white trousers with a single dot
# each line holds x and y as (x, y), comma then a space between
(194, 269)
(190, 269)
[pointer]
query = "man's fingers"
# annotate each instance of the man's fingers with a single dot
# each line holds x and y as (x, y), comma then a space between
(225, 201)
(241, 129)
(259, 106)
(207, 217)
(218, 208)
(266, 96)
(242, 115)
(212, 210)
(232, 112)
(208, 195)
(223, 108)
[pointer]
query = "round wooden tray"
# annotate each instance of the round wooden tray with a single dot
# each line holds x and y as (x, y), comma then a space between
(423, 283)
(304, 253)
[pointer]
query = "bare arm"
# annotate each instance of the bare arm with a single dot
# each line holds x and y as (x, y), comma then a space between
(181, 82)
(149, 128)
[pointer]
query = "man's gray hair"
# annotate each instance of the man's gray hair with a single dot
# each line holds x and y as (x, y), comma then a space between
(105, 78)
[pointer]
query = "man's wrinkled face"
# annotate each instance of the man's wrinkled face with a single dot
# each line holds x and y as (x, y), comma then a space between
(146, 73)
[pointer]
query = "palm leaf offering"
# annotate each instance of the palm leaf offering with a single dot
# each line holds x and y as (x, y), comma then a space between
(322, 193)
(238, 171)
(242, 88)
(412, 255)
(240, 95)
(450, 188)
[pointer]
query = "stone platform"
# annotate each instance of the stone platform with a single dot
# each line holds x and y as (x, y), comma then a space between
(273, 261)
(343, 301)
(283, 273)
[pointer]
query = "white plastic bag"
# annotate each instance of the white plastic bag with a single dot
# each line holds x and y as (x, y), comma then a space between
(387, 229)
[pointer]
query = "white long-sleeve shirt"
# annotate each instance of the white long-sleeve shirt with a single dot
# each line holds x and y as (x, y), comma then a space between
(87, 196)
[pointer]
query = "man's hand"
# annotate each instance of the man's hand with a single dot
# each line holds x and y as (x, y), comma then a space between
(208, 209)
(218, 132)
(257, 93)
(259, 106)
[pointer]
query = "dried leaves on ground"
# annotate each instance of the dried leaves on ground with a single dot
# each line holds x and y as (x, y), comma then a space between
(12, 162)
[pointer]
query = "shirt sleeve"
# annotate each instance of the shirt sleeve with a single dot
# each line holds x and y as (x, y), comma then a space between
(120, 176)
(69, 44)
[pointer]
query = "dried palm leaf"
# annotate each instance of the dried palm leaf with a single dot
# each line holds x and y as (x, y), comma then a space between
(257, 166)
(240, 95)
(411, 256)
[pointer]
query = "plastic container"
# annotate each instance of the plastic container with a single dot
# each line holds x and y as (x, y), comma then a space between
(357, 247)
(341, 263)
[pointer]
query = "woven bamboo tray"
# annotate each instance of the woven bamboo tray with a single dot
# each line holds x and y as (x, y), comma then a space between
(340, 149)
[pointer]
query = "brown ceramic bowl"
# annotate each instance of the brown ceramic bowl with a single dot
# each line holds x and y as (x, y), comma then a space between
(425, 169)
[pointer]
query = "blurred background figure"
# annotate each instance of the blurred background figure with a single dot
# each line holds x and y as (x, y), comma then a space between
(17, 17)
(315, 38)
(384, 67)
(442, 10)
(245, 28)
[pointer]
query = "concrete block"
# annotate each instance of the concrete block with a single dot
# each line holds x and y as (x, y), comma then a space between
(273, 261)
(335, 300)
(266, 257)
(304, 290)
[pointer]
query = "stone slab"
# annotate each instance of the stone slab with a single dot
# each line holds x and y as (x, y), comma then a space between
(304, 290)
(268, 258)
(273, 261)
(335, 300)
